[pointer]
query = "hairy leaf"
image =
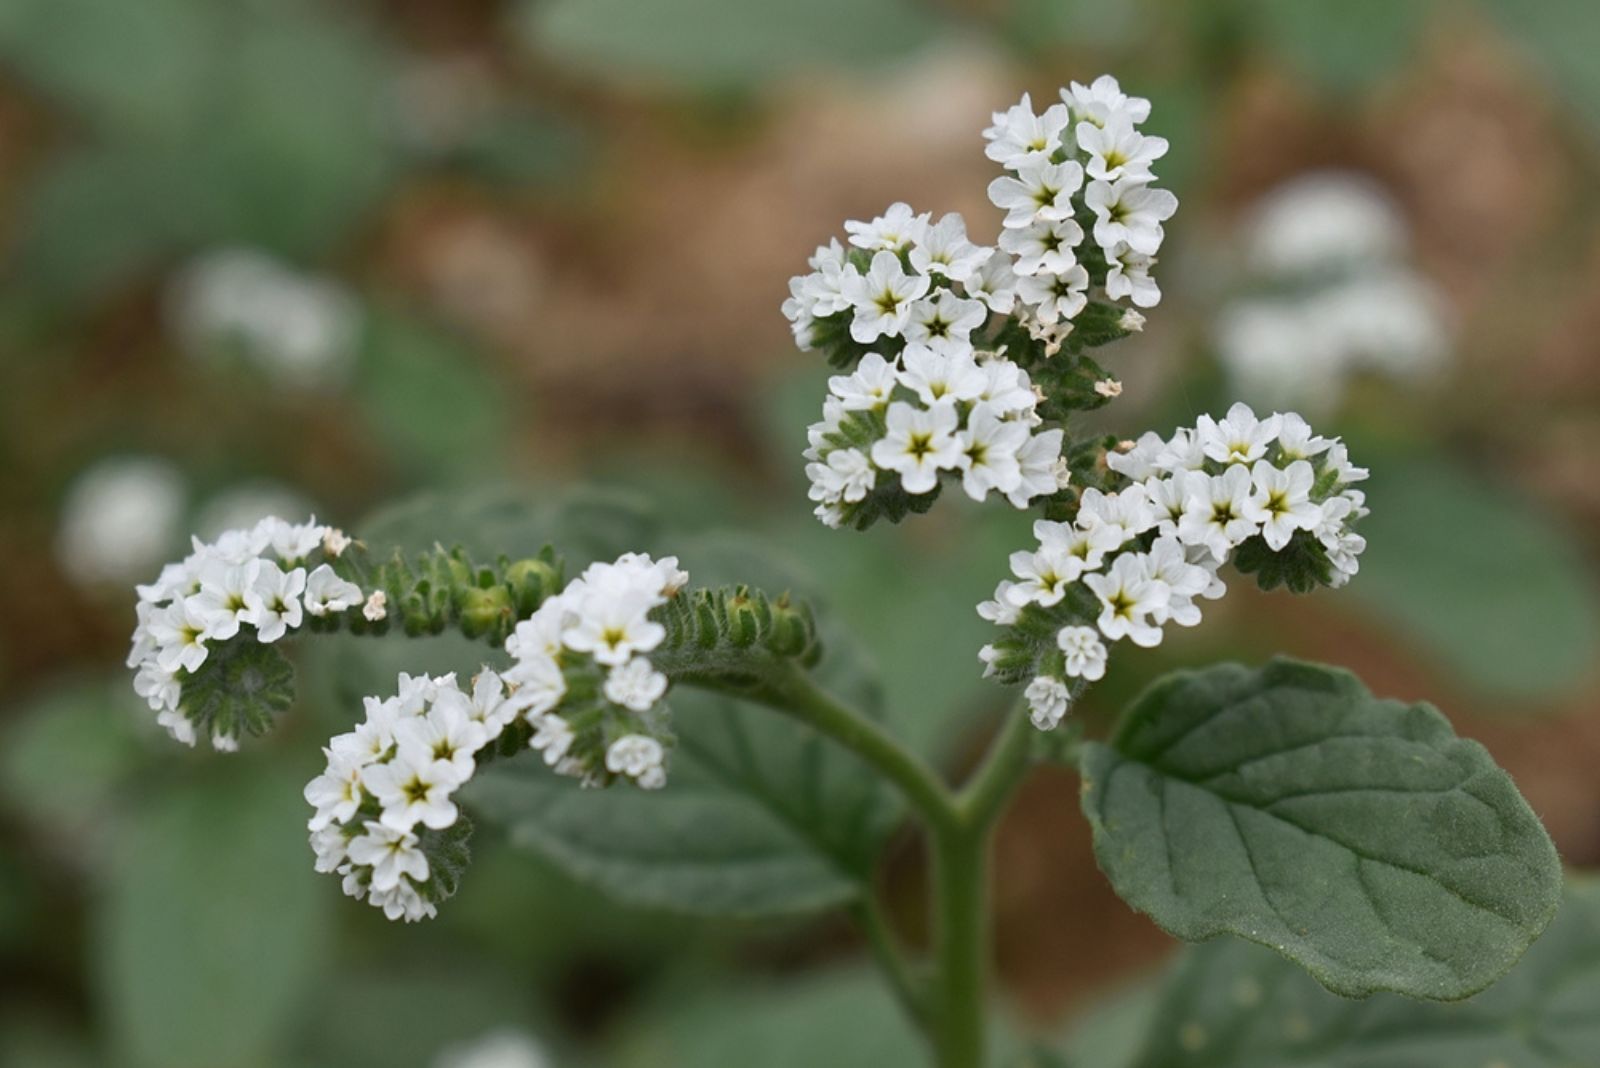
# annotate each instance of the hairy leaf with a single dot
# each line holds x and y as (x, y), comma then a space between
(1359, 837)
(1231, 1005)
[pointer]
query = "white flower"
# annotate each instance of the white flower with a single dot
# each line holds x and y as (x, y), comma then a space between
(612, 626)
(1129, 212)
(180, 632)
(272, 603)
(944, 249)
(989, 447)
(994, 283)
(539, 685)
(1102, 100)
(158, 686)
(944, 322)
(336, 793)
(119, 519)
(633, 755)
(552, 736)
(370, 740)
(1048, 700)
(327, 592)
(1139, 461)
(919, 444)
(1006, 387)
(1044, 247)
(847, 475)
(1039, 192)
(1185, 581)
(1125, 514)
(1055, 297)
(1170, 498)
(1128, 594)
(1001, 610)
(489, 705)
(293, 542)
(1296, 439)
(1085, 654)
(1087, 543)
(447, 734)
(413, 788)
(1116, 150)
(893, 231)
(1019, 137)
(1282, 502)
(1338, 460)
(328, 843)
(868, 386)
(882, 298)
(1239, 438)
(1214, 511)
(939, 376)
(1039, 466)
(221, 599)
(1128, 276)
(377, 607)
(1044, 575)
(391, 853)
(1184, 452)
(635, 685)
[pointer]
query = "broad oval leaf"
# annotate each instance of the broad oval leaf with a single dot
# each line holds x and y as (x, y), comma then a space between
(1359, 837)
(1232, 1005)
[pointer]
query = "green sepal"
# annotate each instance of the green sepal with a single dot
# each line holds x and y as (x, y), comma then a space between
(1302, 565)
(240, 689)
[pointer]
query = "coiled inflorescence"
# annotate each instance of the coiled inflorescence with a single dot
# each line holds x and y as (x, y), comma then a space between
(1268, 495)
(581, 690)
(968, 358)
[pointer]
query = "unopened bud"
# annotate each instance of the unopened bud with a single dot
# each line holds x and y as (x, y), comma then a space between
(1131, 321)
(485, 610)
(1108, 387)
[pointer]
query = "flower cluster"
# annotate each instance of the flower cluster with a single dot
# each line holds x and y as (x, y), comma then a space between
(1083, 163)
(580, 690)
(1328, 294)
(1268, 495)
(595, 698)
(896, 427)
(300, 329)
(246, 589)
(966, 359)
(384, 815)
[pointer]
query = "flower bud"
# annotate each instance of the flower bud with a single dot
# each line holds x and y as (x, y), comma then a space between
(530, 581)
(485, 610)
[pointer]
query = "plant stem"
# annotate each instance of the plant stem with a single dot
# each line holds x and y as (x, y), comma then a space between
(984, 797)
(961, 932)
(790, 690)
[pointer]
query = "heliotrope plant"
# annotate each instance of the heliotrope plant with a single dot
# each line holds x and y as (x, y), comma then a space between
(1356, 836)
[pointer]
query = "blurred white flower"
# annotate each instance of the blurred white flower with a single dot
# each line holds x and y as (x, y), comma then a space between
(300, 329)
(498, 1049)
(1330, 248)
(1323, 218)
(121, 518)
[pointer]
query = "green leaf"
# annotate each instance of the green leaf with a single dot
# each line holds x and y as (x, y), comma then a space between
(211, 927)
(1358, 837)
(1232, 1005)
(1451, 559)
(721, 43)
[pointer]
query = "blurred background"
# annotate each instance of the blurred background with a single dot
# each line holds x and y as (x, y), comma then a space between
(287, 256)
